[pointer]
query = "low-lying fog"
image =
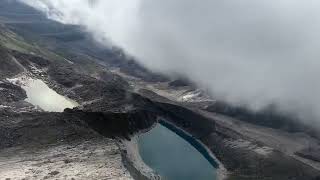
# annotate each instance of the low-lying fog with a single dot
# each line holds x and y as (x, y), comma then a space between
(245, 52)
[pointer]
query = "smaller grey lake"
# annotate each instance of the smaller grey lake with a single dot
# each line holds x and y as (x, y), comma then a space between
(172, 157)
(41, 95)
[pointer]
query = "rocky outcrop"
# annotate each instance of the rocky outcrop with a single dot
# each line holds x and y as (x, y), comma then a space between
(28, 60)
(9, 65)
(311, 153)
(246, 150)
(180, 83)
(268, 117)
(56, 146)
(10, 92)
(82, 143)
(114, 125)
(197, 125)
(245, 163)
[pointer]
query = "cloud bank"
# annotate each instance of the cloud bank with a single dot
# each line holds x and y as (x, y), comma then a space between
(245, 52)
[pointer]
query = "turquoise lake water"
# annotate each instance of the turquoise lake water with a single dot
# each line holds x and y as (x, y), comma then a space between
(172, 157)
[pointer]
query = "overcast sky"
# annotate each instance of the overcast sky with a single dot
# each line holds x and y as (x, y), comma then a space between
(253, 52)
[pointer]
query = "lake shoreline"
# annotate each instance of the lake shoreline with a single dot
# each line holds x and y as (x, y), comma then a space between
(221, 171)
(133, 156)
(133, 160)
(40, 95)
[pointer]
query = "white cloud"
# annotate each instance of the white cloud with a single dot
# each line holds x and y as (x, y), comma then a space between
(248, 51)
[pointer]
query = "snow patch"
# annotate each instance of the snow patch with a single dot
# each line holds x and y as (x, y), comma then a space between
(35, 70)
(3, 106)
(194, 96)
(240, 143)
(263, 150)
(70, 62)
(189, 97)
(19, 81)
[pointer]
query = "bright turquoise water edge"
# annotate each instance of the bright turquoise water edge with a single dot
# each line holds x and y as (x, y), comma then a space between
(173, 157)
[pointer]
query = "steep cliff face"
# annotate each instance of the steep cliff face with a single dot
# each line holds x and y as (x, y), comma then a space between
(115, 125)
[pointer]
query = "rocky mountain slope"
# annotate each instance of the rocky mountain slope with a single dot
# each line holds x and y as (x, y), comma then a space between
(119, 98)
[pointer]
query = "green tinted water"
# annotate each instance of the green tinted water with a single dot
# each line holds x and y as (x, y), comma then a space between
(172, 157)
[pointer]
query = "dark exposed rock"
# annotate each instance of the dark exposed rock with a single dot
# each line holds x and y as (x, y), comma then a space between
(112, 110)
(37, 128)
(310, 153)
(154, 96)
(114, 80)
(53, 173)
(115, 124)
(9, 66)
(85, 87)
(189, 120)
(65, 75)
(39, 145)
(180, 83)
(27, 59)
(268, 117)
(246, 165)
(18, 128)
(10, 92)
(125, 101)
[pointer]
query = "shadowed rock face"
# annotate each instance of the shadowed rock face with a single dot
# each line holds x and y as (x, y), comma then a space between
(180, 83)
(40, 128)
(119, 100)
(194, 123)
(114, 124)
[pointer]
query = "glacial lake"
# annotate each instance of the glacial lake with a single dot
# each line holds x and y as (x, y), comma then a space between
(39, 94)
(172, 157)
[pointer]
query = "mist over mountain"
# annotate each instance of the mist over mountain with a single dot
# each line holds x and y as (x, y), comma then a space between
(75, 103)
(249, 52)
